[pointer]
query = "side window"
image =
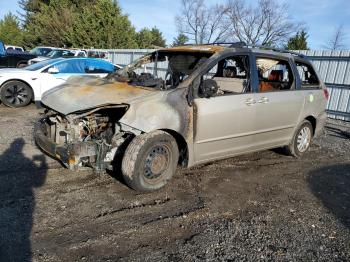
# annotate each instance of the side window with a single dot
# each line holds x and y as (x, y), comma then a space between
(99, 67)
(71, 67)
(81, 54)
(307, 76)
(228, 76)
(67, 53)
(274, 74)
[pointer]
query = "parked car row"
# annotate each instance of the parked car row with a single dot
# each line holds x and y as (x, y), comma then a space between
(48, 67)
(21, 86)
(58, 52)
(15, 56)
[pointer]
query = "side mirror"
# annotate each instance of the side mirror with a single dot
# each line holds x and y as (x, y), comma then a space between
(53, 70)
(208, 88)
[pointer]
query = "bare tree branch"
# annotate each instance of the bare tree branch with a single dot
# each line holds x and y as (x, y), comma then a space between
(268, 23)
(202, 24)
(336, 41)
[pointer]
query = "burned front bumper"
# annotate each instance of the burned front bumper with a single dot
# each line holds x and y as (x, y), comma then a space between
(72, 155)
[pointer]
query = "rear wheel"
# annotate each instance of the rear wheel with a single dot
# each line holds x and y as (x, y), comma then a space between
(16, 94)
(150, 161)
(301, 140)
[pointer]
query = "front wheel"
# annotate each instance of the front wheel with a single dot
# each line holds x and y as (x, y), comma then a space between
(16, 94)
(301, 140)
(150, 161)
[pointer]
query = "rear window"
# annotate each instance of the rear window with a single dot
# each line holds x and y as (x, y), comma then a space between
(307, 75)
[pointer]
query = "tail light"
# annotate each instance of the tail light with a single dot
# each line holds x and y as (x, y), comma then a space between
(325, 92)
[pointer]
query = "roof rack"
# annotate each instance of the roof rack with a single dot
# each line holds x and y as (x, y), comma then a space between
(243, 45)
(275, 49)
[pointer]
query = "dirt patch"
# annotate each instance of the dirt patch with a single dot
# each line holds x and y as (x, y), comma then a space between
(261, 206)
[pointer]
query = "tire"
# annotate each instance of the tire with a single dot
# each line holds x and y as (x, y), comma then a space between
(150, 160)
(301, 140)
(16, 94)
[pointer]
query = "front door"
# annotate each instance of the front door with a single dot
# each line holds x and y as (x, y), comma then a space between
(224, 120)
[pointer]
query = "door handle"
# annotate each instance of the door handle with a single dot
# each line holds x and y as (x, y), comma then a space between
(263, 100)
(250, 102)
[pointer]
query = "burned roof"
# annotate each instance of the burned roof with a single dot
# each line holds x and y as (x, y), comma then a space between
(196, 48)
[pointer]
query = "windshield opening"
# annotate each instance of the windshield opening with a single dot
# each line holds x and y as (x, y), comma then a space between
(162, 69)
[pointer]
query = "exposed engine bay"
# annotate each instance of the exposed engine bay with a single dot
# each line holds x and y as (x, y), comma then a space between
(88, 139)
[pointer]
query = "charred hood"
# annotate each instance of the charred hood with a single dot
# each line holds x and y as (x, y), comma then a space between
(80, 94)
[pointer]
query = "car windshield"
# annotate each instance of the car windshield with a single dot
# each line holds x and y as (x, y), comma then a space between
(60, 53)
(162, 69)
(40, 51)
(41, 64)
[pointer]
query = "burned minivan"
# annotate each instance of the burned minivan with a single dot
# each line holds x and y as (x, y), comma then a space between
(184, 106)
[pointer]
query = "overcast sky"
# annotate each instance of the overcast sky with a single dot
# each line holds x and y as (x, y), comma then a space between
(320, 16)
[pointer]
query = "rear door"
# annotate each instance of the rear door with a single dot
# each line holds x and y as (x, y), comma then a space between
(311, 88)
(279, 104)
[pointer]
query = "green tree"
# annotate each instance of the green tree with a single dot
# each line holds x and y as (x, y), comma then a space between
(158, 40)
(10, 31)
(144, 38)
(50, 24)
(181, 39)
(150, 38)
(298, 42)
(77, 23)
(101, 25)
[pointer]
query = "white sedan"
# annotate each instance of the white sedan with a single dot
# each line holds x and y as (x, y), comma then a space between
(18, 87)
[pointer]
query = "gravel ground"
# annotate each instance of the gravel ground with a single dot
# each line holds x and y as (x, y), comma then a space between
(257, 207)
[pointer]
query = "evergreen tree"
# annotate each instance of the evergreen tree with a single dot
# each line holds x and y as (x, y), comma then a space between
(181, 39)
(158, 40)
(83, 23)
(298, 42)
(50, 24)
(10, 31)
(101, 25)
(147, 38)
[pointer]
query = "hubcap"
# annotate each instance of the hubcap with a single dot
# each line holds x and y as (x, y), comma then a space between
(16, 94)
(303, 139)
(157, 162)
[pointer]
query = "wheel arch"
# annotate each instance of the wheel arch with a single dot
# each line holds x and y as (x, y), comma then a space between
(182, 146)
(20, 80)
(313, 122)
(21, 62)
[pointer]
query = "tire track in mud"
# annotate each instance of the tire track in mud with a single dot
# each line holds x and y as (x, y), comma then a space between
(133, 221)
